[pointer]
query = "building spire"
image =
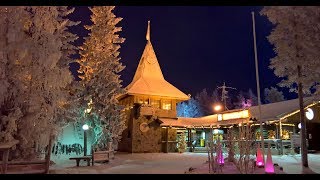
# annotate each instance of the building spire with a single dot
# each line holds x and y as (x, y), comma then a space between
(148, 32)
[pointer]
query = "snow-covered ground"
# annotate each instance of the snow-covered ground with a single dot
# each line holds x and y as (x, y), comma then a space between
(292, 163)
(167, 163)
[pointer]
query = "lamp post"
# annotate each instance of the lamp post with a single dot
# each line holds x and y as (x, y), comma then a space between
(257, 81)
(85, 127)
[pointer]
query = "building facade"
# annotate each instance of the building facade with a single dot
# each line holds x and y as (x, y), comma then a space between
(149, 97)
(153, 125)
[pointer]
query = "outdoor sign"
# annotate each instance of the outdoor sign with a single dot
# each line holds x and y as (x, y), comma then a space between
(234, 115)
(296, 140)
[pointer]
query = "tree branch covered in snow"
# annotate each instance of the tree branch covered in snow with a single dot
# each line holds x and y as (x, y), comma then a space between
(296, 38)
(35, 75)
(272, 95)
(190, 108)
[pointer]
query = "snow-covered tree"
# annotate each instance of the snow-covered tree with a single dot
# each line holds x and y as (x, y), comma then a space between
(296, 38)
(252, 98)
(272, 95)
(190, 108)
(241, 102)
(246, 99)
(206, 102)
(99, 67)
(32, 47)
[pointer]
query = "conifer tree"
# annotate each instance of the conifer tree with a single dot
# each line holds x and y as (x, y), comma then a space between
(38, 77)
(100, 67)
(272, 95)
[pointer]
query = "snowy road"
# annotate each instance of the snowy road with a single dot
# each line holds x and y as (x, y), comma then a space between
(171, 163)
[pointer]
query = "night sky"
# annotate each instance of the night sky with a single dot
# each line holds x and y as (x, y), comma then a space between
(197, 47)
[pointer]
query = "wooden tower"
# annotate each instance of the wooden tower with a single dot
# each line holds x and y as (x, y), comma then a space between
(149, 96)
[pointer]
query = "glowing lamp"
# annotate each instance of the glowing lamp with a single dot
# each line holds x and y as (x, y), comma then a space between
(85, 127)
(269, 169)
(259, 158)
(217, 107)
(299, 125)
(309, 114)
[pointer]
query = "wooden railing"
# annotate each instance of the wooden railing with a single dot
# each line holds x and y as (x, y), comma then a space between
(29, 167)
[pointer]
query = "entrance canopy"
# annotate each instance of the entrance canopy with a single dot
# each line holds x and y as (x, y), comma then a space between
(269, 112)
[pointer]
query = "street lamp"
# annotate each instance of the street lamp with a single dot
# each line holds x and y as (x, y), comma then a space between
(85, 127)
(217, 107)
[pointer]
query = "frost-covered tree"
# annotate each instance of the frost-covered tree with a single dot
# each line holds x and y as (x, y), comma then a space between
(252, 98)
(241, 101)
(272, 95)
(32, 43)
(190, 108)
(296, 37)
(246, 99)
(100, 66)
(206, 102)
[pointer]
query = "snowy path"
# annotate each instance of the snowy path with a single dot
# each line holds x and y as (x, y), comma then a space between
(292, 164)
(171, 163)
(139, 163)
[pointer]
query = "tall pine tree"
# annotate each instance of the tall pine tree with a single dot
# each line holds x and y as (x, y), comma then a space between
(100, 67)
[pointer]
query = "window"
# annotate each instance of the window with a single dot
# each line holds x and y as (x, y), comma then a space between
(155, 103)
(143, 100)
(166, 104)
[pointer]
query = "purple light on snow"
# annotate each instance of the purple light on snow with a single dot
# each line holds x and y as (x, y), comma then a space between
(221, 159)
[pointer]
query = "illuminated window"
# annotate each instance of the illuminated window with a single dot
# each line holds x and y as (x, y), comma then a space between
(143, 100)
(166, 104)
(155, 103)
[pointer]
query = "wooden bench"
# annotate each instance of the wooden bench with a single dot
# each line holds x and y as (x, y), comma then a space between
(30, 167)
(102, 156)
(85, 158)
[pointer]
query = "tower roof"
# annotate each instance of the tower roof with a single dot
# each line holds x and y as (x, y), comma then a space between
(149, 80)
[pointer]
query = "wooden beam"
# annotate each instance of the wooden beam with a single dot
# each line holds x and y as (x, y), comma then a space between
(5, 156)
(167, 139)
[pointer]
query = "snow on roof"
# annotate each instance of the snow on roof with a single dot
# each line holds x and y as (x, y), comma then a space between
(149, 80)
(205, 121)
(275, 111)
(272, 111)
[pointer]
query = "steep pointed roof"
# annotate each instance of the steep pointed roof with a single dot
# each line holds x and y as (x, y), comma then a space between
(149, 80)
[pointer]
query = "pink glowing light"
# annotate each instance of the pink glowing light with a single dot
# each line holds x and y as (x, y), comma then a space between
(259, 158)
(269, 169)
(221, 159)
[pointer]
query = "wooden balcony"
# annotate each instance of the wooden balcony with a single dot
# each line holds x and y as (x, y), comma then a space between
(149, 111)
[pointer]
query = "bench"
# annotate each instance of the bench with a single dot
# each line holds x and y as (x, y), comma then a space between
(102, 156)
(30, 167)
(85, 158)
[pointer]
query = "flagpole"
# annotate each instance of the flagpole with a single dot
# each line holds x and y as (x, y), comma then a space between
(258, 85)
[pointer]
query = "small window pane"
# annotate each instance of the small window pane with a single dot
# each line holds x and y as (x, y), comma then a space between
(166, 105)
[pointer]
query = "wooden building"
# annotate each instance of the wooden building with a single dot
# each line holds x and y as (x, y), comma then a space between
(149, 97)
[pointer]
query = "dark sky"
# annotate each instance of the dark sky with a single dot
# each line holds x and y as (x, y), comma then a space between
(197, 46)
